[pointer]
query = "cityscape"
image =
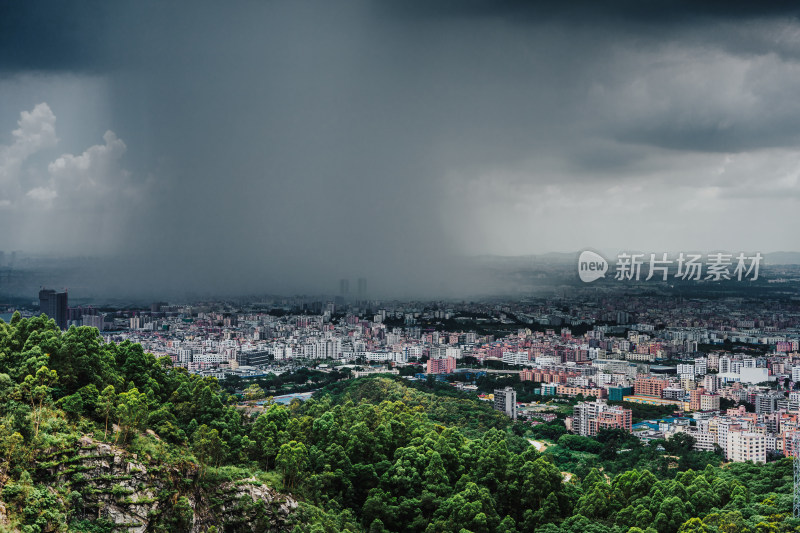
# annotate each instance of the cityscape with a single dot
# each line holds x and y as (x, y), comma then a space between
(707, 359)
(667, 375)
(399, 266)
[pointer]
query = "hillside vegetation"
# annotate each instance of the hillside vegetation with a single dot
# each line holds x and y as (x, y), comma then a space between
(105, 437)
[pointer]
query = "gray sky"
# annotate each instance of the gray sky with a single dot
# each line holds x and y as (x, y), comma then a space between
(283, 145)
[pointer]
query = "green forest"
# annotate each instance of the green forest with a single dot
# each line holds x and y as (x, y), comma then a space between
(372, 454)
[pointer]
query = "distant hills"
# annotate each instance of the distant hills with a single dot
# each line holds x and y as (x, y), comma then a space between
(782, 258)
(771, 258)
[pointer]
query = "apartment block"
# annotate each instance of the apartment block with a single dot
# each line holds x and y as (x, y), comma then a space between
(505, 400)
(746, 446)
(650, 387)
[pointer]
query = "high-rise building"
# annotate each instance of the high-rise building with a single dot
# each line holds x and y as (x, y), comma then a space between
(516, 357)
(445, 365)
(590, 417)
(744, 446)
(709, 402)
(700, 366)
(440, 352)
(616, 394)
(54, 305)
(94, 321)
(184, 356)
(711, 382)
(694, 398)
(582, 413)
(505, 400)
(650, 386)
(612, 418)
(344, 287)
(770, 402)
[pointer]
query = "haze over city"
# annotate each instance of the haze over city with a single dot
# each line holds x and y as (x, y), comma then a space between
(281, 146)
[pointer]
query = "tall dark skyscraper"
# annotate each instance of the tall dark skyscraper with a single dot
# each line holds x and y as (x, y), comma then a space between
(344, 287)
(54, 305)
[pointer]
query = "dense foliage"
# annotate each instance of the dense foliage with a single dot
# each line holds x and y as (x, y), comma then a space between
(618, 451)
(301, 380)
(373, 454)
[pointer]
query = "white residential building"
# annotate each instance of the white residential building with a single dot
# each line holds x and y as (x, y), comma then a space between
(745, 446)
(516, 358)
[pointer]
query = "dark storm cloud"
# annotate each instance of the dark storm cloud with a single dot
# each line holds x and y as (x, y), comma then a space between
(741, 28)
(657, 12)
(284, 145)
(60, 36)
(43, 35)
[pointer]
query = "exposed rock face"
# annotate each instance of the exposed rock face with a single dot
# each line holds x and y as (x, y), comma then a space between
(136, 495)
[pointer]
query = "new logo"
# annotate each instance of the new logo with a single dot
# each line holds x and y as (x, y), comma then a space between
(591, 266)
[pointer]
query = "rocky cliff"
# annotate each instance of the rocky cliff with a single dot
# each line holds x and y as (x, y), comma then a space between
(109, 486)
